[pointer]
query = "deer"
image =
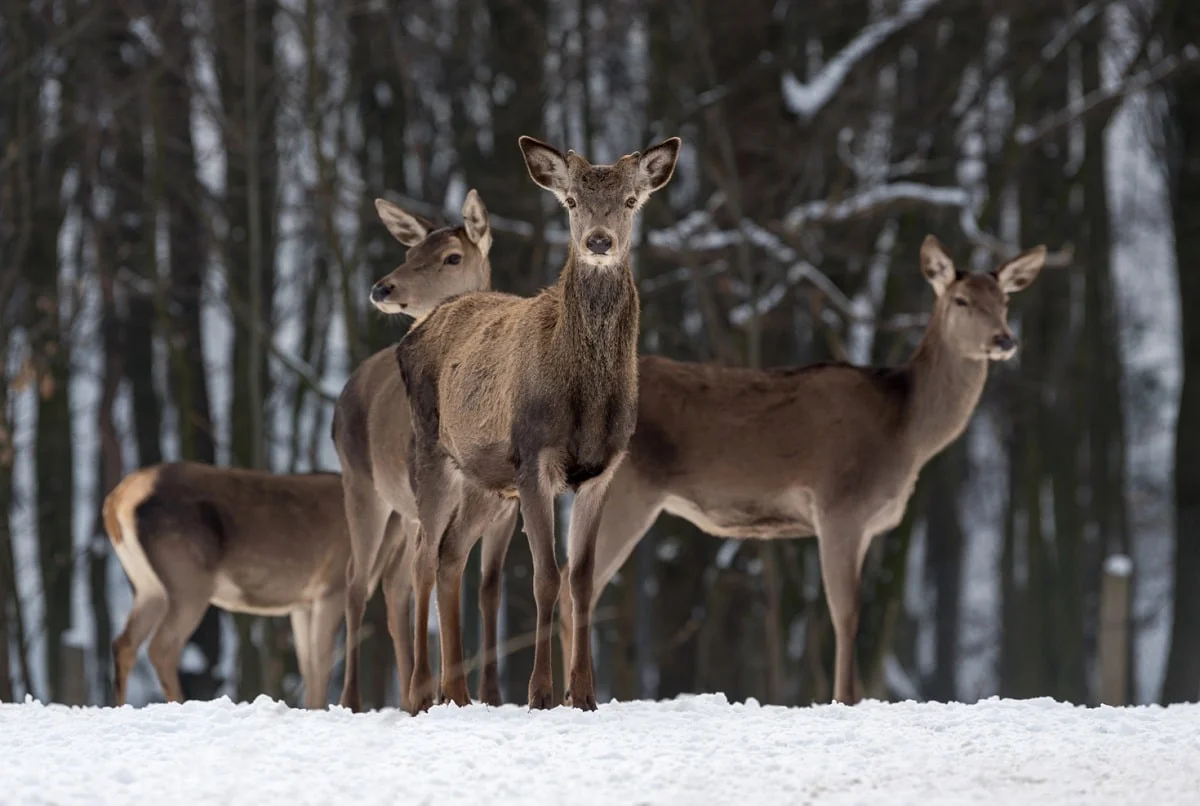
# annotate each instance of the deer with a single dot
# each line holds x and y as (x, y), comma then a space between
(527, 397)
(372, 434)
(828, 450)
(190, 534)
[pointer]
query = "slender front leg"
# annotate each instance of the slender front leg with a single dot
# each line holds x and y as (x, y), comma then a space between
(585, 525)
(366, 518)
(841, 561)
(451, 564)
(537, 510)
(397, 584)
(323, 629)
(424, 569)
(495, 547)
(437, 493)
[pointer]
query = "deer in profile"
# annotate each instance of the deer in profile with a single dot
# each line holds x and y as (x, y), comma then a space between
(372, 432)
(190, 534)
(527, 397)
(829, 450)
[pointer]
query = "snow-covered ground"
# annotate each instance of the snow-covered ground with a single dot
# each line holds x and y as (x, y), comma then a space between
(695, 750)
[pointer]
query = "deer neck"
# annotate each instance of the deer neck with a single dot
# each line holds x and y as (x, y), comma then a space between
(946, 387)
(598, 307)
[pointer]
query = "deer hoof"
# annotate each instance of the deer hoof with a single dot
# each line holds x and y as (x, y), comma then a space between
(540, 699)
(353, 703)
(489, 693)
(456, 693)
(585, 703)
(419, 704)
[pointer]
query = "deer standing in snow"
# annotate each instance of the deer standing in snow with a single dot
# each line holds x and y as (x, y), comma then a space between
(829, 450)
(530, 396)
(190, 534)
(372, 432)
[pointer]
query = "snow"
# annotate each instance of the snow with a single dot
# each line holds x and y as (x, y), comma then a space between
(690, 750)
(1118, 565)
(806, 100)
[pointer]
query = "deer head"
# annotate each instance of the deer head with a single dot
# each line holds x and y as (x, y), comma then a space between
(440, 262)
(601, 200)
(971, 311)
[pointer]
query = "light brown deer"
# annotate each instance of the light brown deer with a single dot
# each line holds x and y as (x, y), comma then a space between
(831, 450)
(530, 396)
(372, 432)
(190, 534)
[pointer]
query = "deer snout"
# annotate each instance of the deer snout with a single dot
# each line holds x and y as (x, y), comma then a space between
(381, 290)
(1005, 342)
(599, 243)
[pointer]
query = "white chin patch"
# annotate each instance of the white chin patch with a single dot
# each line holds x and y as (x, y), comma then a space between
(389, 307)
(599, 261)
(1002, 355)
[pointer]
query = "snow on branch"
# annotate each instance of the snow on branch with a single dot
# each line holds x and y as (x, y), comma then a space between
(884, 198)
(806, 100)
(1028, 135)
(872, 201)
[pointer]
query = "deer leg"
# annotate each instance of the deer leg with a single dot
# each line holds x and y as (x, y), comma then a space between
(149, 607)
(585, 526)
(366, 517)
(184, 614)
(397, 593)
(841, 563)
(436, 506)
(537, 511)
(495, 547)
(301, 620)
(630, 507)
(324, 619)
(452, 561)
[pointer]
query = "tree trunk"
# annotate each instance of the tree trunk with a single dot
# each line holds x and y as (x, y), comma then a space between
(187, 255)
(1182, 682)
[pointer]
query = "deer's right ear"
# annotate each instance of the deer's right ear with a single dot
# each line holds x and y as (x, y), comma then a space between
(405, 228)
(547, 167)
(936, 265)
(475, 221)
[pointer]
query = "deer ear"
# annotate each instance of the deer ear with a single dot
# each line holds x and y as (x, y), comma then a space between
(656, 164)
(1022, 270)
(547, 167)
(406, 228)
(475, 221)
(936, 265)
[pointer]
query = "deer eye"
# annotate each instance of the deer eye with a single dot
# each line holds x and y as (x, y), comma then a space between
(454, 259)
(631, 202)
(571, 202)
(960, 301)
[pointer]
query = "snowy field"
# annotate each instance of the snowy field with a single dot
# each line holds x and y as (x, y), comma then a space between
(694, 750)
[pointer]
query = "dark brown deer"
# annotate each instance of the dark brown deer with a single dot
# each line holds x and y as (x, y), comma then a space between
(831, 450)
(189, 535)
(530, 396)
(372, 432)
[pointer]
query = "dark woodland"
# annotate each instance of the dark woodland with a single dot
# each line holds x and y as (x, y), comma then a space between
(188, 237)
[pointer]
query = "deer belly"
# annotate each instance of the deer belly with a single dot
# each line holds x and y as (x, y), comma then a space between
(263, 597)
(761, 518)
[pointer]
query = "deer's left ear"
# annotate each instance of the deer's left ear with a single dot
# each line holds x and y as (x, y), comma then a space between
(936, 265)
(475, 221)
(1022, 270)
(656, 164)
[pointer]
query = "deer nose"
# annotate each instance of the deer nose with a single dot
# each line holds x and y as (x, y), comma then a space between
(1005, 341)
(380, 291)
(599, 243)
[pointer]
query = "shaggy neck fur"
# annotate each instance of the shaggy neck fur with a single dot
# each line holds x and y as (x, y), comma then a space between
(599, 307)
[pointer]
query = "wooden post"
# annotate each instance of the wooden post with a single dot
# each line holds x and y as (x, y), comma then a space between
(1114, 629)
(73, 674)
